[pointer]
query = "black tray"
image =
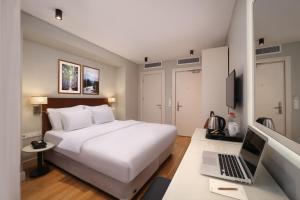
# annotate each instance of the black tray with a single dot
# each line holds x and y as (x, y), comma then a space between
(224, 135)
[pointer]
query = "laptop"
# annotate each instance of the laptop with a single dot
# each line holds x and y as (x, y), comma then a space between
(241, 167)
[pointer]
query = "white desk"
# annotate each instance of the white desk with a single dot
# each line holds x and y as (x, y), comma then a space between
(189, 184)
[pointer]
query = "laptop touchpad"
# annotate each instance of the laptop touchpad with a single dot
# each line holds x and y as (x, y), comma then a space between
(210, 160)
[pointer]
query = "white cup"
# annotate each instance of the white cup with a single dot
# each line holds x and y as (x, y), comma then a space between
(233, 128)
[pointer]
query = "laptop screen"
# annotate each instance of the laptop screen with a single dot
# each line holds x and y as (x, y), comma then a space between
(251, 150)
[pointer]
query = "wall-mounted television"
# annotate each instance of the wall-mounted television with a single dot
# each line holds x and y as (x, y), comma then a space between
(230, 90)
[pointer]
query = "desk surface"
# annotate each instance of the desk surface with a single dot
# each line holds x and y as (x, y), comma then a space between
(189, 184)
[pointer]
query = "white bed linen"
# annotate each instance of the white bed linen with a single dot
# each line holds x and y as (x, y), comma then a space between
(119, 149)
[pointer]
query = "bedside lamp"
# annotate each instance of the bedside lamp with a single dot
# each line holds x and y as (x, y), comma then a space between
(37, 102)
(112, 100)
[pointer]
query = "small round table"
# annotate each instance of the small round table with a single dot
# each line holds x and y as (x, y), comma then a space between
(41, 168)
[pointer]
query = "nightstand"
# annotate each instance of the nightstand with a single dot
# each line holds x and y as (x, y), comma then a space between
(41, 168)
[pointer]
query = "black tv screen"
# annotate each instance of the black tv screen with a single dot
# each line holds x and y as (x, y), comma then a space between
(230, 90)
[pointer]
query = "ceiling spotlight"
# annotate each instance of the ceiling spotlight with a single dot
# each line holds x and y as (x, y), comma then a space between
(261, 41)
(191, 52)
(58, 14)
(146, 59)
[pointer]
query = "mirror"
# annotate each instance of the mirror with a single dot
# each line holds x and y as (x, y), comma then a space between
(277, 69)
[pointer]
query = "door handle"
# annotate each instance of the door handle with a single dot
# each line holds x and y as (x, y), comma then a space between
(279, 107)
(178, 106)
(159, 105)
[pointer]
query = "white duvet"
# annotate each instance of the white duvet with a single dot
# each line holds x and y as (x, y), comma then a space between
(119, 149)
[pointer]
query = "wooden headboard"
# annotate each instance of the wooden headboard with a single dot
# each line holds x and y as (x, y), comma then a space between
(67, 102)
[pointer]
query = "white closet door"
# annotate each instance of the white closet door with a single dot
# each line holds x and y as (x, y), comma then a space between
(152, 103)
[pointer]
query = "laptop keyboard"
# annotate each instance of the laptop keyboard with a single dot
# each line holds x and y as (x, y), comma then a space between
(229, 166)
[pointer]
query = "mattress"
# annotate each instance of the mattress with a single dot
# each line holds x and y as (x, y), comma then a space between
(119, 149)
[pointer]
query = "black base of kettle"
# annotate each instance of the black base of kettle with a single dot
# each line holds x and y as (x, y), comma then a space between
(215, 131)
(223, 135)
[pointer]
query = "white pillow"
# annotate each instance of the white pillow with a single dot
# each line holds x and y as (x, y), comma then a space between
(73, 120)
(55, 118)
(102, 114)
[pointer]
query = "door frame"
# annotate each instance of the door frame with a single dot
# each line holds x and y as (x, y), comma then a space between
(163, 102)
(174, 88)
(288, 88)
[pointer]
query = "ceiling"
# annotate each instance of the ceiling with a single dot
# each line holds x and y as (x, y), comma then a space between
(158, 29)
(279, 23)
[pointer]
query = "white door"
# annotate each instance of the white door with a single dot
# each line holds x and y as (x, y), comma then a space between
(270, 93)
(152, 96)
(187, 101)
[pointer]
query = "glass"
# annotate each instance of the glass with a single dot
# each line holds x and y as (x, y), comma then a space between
(277, 70)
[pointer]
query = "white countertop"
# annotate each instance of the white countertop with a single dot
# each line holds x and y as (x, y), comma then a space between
(189, 184)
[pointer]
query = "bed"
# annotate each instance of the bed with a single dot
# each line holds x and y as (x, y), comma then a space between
(117, 157)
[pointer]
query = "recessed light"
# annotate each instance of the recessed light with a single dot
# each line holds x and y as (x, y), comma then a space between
(58, 14)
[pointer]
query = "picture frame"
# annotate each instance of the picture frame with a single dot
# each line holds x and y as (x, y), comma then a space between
(90, 80)
(69, 77)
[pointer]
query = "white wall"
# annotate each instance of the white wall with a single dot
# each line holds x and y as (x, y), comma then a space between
(10, 88)
(119, 75)
(121, 93)
(132, 92)
(214, 74)
(237, 43)
(40, 78)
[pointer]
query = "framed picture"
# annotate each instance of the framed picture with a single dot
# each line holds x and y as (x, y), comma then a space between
(69, 77)
(90, 81)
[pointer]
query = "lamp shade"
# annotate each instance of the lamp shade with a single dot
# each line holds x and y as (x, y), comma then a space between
(112, 100)
(38, 100)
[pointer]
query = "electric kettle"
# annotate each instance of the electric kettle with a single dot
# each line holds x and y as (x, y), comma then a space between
(268, 122)
(215, 122)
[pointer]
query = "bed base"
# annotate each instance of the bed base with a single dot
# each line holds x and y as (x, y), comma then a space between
(112, 186)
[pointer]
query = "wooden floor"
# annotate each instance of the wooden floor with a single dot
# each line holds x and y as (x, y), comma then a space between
(58, 184)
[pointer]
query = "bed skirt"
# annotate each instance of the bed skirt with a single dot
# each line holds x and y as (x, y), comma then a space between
(112, 186)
